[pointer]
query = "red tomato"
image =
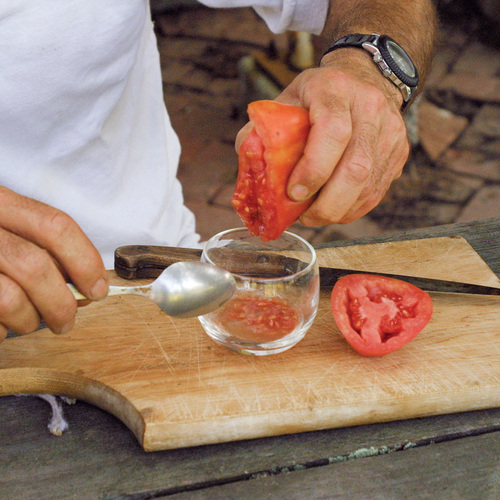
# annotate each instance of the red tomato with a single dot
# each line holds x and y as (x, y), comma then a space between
(378, 315)
(254, 317)
(266, 159)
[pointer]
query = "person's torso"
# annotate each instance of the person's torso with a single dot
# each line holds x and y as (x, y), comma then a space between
(82, 119)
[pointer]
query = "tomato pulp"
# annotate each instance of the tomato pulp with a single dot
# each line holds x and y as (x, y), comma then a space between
(251, 316)
(266, 159)
(378, 315)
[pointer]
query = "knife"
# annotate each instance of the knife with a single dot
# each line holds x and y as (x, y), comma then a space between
(144, 261)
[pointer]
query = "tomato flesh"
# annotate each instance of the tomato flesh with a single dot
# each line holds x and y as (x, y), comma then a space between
(251, 316)
(253, 201)
(266, 159)
(378, 315)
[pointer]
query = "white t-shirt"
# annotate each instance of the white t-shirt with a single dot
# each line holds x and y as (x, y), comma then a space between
(83, 125)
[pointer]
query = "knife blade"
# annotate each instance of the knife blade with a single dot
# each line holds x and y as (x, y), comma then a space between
(146, 261)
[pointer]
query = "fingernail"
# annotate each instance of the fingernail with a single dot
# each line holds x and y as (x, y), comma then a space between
(299, 192)
(99, 290)
(67, 327)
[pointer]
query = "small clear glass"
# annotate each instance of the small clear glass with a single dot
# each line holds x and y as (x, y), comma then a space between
(277, 291)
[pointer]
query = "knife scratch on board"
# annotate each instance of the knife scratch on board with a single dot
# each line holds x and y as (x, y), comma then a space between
(165, 356)
(447, 252)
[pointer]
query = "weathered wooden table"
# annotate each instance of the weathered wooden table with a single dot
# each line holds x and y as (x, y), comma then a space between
(447, 456)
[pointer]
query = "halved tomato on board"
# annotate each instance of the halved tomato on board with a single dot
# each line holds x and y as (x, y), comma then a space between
(266, 159)
(378, 315)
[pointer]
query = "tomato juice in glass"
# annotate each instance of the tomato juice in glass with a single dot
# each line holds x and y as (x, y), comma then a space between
(277, 292)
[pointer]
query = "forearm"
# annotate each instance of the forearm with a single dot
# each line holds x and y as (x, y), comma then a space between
(411, 23)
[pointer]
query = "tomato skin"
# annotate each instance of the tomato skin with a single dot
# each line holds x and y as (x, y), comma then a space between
(266, 159)
(378, 315)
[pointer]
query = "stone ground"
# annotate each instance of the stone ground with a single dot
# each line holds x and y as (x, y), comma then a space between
(453, 174)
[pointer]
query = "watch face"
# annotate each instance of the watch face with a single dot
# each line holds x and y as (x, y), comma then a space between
(400, 58)
(398, 61)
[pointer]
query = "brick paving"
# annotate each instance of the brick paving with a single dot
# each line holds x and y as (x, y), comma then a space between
(452, 175)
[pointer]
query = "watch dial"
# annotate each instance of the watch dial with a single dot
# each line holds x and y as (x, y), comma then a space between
(401, 58)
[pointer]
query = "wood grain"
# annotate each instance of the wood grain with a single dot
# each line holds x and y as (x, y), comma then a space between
(173, 387)
(99, 458)
(473, 473)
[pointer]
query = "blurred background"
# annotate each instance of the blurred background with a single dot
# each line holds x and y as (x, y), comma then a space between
(215, 61)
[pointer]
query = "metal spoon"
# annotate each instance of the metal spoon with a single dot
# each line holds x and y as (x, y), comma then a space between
(183, 290)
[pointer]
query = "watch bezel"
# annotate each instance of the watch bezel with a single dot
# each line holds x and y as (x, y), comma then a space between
(411, 81)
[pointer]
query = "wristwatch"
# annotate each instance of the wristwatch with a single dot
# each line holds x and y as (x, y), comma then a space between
(392, 60)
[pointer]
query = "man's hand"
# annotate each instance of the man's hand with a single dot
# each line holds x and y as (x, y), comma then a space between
(41, 247)
(358, 142)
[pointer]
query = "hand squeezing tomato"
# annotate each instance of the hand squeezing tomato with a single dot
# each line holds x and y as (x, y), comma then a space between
(266, 159)
(378, 315)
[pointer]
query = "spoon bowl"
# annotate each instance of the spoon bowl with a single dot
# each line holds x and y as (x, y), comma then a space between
(183, 290)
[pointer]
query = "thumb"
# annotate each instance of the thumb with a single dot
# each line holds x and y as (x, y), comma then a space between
(242, 135)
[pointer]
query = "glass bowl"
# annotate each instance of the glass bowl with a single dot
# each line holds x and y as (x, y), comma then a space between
(277, 291)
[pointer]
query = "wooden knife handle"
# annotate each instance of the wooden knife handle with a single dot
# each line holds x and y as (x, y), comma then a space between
(141, 261)
(144, 261)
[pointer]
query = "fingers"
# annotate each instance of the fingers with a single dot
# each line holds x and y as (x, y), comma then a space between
(32, 286)
(375, 190)
(242, 135)
(356, 147)
(388, 150)
(40, 247)
(330, 134)
(57, 233)
(16, 311)
(343, 189)
(360, 179)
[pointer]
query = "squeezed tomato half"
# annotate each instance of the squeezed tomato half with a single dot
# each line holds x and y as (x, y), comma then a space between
(265, 161)
(250, 316)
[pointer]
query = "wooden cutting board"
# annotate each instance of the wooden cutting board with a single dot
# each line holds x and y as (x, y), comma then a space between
(173, 387)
